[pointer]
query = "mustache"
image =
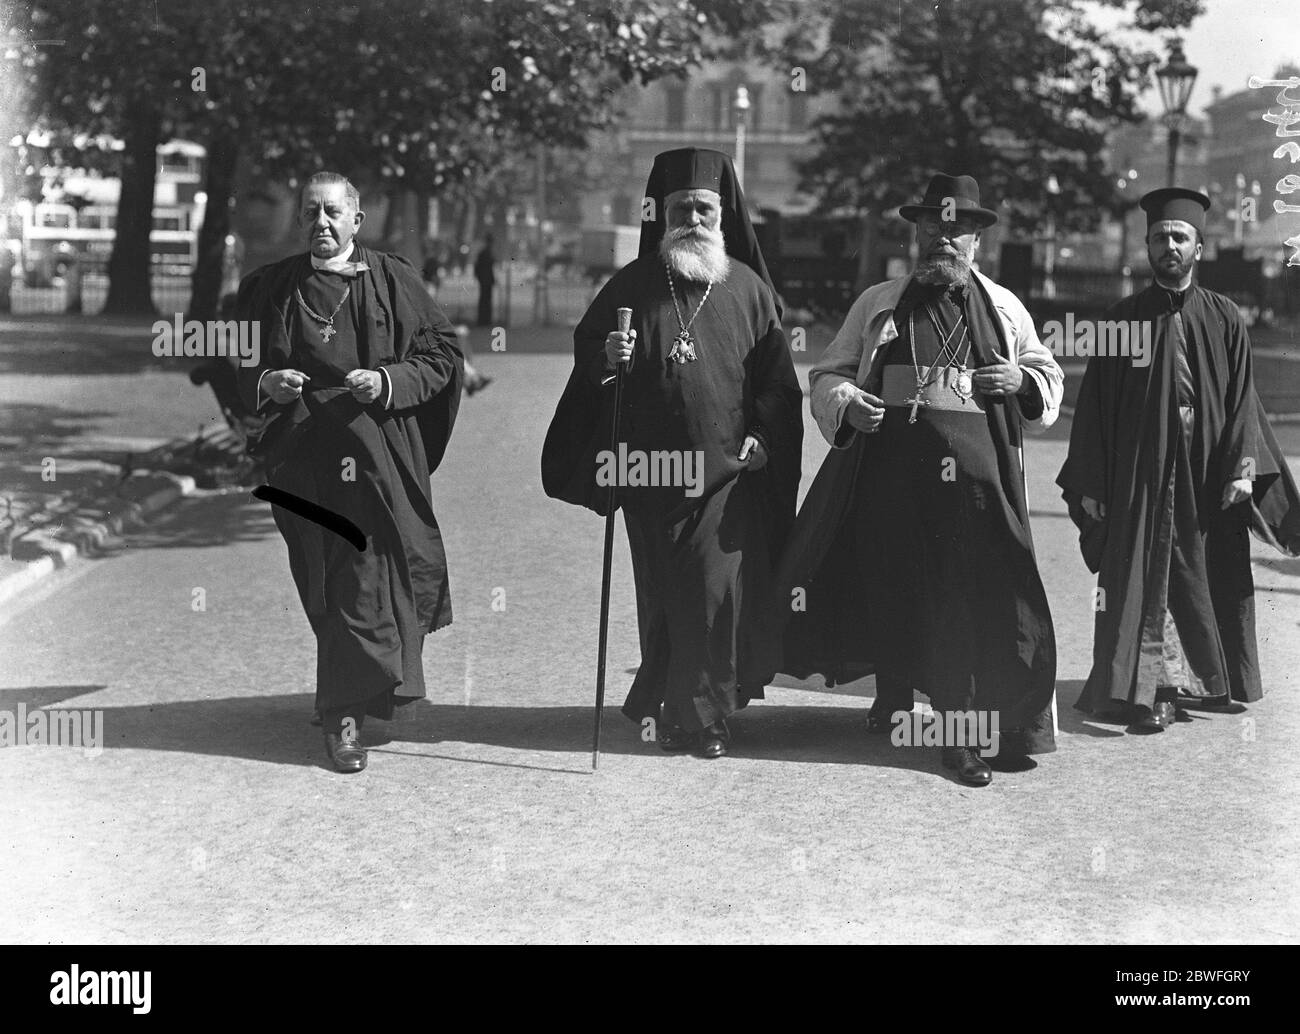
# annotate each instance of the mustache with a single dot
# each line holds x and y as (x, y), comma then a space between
(688, 233)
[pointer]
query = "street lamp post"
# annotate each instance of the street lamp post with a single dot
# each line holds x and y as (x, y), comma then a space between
(742, 111)
(1049, 260)
(1175, 81)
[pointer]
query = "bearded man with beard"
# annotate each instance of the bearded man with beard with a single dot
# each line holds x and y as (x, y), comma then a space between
(708, 383)
(1171, 464)
(912, 549)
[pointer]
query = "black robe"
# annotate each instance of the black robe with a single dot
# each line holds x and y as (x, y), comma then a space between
(370, 609)
(822, 605)
(1127, 450)
(701, 562)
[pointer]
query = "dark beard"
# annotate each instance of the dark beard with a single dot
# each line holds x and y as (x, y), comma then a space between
(944, 270)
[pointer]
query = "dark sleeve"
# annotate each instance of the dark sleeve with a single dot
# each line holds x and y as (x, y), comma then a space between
(1084, 472)
(248, 377)
(424, 338)
(1030, 399)
(1238, 442)
(778, 400)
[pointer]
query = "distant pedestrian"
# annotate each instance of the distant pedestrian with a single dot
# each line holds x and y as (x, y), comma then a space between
(485, 274)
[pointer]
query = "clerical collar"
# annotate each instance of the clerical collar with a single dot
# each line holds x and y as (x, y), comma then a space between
(340, 263)
(1173, 298)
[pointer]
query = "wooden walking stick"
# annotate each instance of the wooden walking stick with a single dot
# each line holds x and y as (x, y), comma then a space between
(624, 326)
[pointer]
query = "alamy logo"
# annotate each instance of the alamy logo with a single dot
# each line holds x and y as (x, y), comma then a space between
(54, 728)
(1106, 338)
(95, 987)
(951, 729)
(210, 339)
(657, 469)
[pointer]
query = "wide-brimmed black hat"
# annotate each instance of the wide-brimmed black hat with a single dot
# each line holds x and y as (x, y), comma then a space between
(965, 195)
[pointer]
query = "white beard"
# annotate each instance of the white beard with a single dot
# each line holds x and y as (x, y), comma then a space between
(695, 253)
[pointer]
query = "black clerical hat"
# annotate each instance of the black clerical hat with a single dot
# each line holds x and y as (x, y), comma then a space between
(1176, 203)
(699, 168)
(965, 195)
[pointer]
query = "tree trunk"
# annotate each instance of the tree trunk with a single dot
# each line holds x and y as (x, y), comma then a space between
(403, 233)
(130, 264)
(219, 184)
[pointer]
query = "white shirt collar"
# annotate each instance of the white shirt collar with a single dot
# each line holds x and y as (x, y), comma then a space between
(338, 263)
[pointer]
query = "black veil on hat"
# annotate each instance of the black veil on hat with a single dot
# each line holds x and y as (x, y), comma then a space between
(699, 168)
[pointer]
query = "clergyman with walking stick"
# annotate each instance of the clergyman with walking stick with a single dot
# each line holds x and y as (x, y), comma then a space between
(706, 465)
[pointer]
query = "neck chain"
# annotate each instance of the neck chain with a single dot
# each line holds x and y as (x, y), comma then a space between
(962, 387)
(683, 344)
(327, 330)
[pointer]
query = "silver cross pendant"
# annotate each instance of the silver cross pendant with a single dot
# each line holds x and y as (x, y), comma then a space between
(327, 331)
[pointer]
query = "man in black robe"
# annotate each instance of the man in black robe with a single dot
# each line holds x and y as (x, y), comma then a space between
(1170, 464)
(362, 376)
(709, 383)
(911, 556)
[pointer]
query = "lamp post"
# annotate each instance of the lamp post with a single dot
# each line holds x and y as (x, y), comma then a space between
(1175, 81)
(1049, 261)
(742, 112)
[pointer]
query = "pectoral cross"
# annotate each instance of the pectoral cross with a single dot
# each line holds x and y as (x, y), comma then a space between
(915, 400)
(683, 348)
(327, 332)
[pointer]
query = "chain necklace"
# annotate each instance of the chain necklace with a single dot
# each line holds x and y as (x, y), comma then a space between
(683, 344)
(327, 331)
(962, 388)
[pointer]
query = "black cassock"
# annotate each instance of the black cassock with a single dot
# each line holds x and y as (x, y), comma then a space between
(369, 609)
(1157, 444)
(912, 556)
(702, 563)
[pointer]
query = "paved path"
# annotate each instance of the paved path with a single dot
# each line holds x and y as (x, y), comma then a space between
(210, 815)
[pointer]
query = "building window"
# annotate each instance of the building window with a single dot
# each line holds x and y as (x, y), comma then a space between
(675, 96)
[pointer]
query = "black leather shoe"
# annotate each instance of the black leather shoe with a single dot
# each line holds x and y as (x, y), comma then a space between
(714, 740)
(673, 739)
(346, 752)
(970, 767)
(1148, 720)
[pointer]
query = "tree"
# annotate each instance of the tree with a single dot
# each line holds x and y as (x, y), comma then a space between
(420, 95)
(1017, 92)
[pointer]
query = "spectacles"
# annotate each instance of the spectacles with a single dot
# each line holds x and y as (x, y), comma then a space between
(933, 224)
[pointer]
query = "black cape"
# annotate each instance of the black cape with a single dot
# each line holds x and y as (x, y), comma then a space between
(1122, 449)
(770, 398)
(395, 448)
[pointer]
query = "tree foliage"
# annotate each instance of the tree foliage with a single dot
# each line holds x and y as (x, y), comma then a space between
(1014, 92)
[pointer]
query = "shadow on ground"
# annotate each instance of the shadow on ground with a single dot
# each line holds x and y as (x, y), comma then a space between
(213, 520)
(276, 729)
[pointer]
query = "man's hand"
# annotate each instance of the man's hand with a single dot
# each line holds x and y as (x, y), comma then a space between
(753, 453)
(1236, 492)
(365, 385)
(618, 347)
(284, 385)
(865, 413)
(1002, 379)
(1094, 509)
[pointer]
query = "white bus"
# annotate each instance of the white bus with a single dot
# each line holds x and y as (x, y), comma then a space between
(51, 235)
